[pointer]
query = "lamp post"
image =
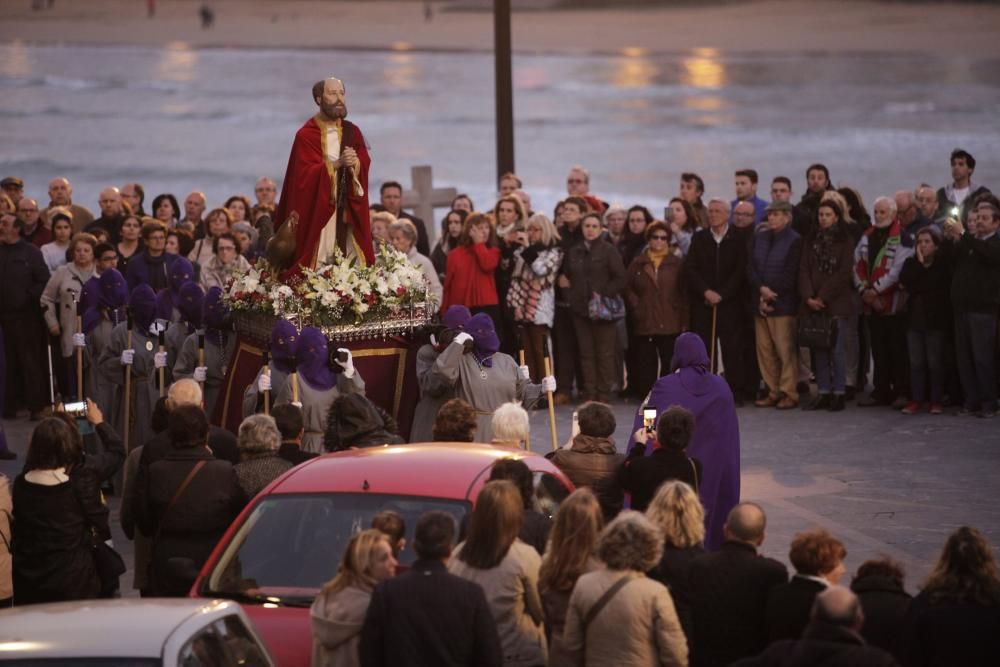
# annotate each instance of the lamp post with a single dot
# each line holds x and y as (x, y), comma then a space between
(504, 87)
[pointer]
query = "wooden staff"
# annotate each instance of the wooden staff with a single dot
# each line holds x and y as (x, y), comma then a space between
(201, 357)
(79, 350)
(162, 370)
(267, 394)
(294, 379)
(552, 407)
(527, 437)
(128, 380)
(715, 315)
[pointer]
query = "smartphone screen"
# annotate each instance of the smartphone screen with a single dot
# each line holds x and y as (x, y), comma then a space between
(649, 418)
(575, 429)
(74, 408)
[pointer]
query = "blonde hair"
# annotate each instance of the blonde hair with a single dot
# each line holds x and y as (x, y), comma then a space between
(572, 542)
(549, 232)
(676, 510)
(839, 200)
(518, 205)
(355, 568)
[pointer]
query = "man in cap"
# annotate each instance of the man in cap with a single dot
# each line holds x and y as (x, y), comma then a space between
(13, 187)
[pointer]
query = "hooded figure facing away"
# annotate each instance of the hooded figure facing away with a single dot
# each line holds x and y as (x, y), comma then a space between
(354, 421)
(716, 440)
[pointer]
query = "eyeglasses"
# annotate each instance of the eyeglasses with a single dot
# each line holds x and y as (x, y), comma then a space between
(227, 247)
(658, 237)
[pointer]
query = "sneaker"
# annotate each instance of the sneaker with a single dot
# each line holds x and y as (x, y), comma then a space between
(936, 409)
(912, 408)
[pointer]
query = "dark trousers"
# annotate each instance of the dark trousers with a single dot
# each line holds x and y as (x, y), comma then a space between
(27, 371)
(736, 341)
(975, 343)
(926, 365)
(648, 349)
(888, 341)
(595, 341)
(567, 355)
(533, 338)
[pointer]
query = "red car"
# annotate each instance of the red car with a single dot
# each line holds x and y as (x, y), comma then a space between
(288, 541)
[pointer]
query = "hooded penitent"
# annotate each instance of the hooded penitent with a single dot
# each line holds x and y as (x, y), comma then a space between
(284, 340)
(215, 317)
(716, 439)
(191, 300)
(110, 297)
(484, 338)
(164, 311)
(313, 355)
(456, 317)
(181, 273)
(142, 303)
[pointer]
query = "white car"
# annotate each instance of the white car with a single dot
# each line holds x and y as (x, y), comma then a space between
(131, 633)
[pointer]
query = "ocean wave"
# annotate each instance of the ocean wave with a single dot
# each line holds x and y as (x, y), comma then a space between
(89, 84)
(899, 108)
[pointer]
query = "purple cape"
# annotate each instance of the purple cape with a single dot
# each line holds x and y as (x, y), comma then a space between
(716, 439)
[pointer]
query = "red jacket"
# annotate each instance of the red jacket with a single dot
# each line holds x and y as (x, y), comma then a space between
(469, 279)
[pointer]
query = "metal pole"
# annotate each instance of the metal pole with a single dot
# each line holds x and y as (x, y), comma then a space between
(504, 87)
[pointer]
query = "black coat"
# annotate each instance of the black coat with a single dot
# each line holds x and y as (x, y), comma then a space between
(821, 644)
(975, 284)
(929, 291)
(53, 533)
(720, 267)
(949, 632)
(729, 590)
(674, 572)
(428, 617)
(23, 276)
(884, 603)
(291, 452)
(789, 606)
(196, 520)
(594, 268)
(642, 475)
(222, 443)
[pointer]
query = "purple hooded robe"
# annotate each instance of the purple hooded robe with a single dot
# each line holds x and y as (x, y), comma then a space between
(716, 439)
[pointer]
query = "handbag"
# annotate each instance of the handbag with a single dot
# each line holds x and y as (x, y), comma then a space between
(110, 566)
(817, 330)
(606, 308)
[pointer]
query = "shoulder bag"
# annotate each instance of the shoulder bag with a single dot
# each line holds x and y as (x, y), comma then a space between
(817, 330)
(605, 308)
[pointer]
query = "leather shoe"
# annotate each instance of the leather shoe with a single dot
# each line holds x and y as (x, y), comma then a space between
(766, 402)
(787, 403)
(821, 402)
(838, 403)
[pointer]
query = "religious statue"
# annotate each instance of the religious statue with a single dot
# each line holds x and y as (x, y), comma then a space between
(324, 197)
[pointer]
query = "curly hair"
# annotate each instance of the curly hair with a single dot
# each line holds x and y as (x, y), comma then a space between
(815, 552)
(966, 570)
(455, 422)
(571, 544)
(678, 512)
(630, 542)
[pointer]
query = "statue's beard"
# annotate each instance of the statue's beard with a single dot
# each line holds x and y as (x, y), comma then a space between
(334, 111)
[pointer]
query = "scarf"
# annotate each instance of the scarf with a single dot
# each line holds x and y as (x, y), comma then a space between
(656, 257)
(826, 256)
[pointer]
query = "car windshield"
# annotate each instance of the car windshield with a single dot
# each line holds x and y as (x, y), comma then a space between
(290, 545)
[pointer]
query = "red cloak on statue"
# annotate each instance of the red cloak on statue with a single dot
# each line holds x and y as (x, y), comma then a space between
(308, 189)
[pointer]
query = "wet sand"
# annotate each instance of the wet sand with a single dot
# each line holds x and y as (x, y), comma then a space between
(806, 26)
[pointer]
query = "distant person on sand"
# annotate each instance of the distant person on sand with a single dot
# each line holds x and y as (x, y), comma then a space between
(207, 16)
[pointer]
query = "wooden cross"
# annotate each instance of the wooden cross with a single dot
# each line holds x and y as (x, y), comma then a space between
(424, 197)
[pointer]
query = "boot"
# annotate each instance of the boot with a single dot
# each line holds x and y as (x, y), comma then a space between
(838, 403)
(821, 402)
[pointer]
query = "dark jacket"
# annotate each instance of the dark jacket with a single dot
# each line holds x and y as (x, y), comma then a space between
(729, 590)
(721, 267)
(774, 262)
(822, 644)
(975, 285)
(642, 475)
(594, 462)
(596, 267)
(354, 421)
(929, 292)
(948, 632)
(253, 474)
(789, 606)
(222, 443)
(198, 517)
(884, 603)
(53, 533)
(674, 572)
(291, 452)
(656, 299)
(23, 276)
(835, 289)
(429, 617)
(144, 270)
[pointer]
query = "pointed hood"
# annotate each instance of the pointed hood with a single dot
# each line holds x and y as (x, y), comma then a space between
(113, 290)
(313, 355)
(485, 340)
(142, 303)
(456, 317)
(691, 362)
(214, 311)
(284, 341)
(181, 272)
(190, 304)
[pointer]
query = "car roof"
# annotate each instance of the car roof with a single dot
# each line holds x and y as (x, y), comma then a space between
(454, 468)
(135, 628)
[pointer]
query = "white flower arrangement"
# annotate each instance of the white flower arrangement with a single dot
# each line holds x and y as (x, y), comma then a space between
(338, 293)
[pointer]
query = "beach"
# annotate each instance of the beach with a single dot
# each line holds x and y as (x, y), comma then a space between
(813, 26)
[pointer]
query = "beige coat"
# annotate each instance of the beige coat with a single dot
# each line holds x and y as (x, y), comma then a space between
(6, 563)
(512, 593)
(637, 628)
(336, 626)
(214, 274)
(58, 300)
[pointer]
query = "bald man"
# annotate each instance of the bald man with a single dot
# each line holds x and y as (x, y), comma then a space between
(194, 209)
(729, 590)
(831, 638)
(112, 214)
(266, 191)
(61, 194)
